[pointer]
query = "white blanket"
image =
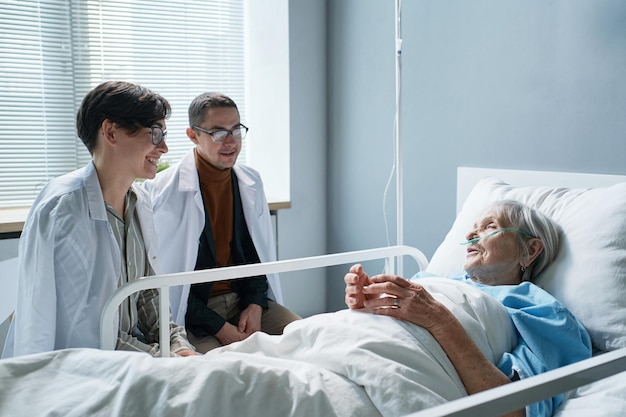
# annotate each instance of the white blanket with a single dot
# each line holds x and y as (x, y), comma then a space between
(346, 363)
(604, 397)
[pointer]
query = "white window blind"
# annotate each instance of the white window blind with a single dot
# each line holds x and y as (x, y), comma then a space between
(53, 52)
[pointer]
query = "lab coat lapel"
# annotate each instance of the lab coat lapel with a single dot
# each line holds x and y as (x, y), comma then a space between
(146, 223)
(189, 181)
(248, 191)
(95, 200)
(97, 211)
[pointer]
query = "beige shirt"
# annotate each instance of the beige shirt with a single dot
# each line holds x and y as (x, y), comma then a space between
(139, 314)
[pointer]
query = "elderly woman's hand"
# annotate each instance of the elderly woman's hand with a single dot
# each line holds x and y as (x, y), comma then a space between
(397, 297)
(394, 296)
(355, 280)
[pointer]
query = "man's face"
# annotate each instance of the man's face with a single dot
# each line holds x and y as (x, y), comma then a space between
(220, 155)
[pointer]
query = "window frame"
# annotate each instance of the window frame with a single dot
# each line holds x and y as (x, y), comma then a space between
(268, 105)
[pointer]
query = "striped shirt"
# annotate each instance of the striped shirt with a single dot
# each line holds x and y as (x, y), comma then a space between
(139, 313)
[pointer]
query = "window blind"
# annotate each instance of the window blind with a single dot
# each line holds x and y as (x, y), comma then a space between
(53, 52)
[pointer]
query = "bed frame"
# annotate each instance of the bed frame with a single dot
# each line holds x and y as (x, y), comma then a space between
(108, 330)
(493, 402)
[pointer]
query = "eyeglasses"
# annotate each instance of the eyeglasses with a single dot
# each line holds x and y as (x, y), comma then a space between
(503, 229)
(218, 136)
(157, 134)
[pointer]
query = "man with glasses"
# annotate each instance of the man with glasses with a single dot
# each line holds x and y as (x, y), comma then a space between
(91, 230)
(211, 212)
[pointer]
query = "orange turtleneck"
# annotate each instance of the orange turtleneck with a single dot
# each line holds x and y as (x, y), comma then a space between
(217, 190)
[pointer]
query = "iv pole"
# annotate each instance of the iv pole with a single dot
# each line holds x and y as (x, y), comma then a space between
(398, 156)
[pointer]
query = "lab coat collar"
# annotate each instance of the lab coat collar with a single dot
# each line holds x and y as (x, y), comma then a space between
(146, 222)
(188, 179)
(247, 188)
(97, 210)
(95, 199)
(245, 180)
(188, 174)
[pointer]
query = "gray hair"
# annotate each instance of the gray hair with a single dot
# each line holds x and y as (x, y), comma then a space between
(521, 216)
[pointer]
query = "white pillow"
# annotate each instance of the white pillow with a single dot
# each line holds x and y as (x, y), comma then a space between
(589, 273)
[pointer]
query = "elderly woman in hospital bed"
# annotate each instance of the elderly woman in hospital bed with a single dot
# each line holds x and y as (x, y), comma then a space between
(411, 355)
(508, 247)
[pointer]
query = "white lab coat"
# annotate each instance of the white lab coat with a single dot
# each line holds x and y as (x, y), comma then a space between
(69, 265)
(179, 220)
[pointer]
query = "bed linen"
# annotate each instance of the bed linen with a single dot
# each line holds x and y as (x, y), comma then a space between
(347, 363)
(605, 398)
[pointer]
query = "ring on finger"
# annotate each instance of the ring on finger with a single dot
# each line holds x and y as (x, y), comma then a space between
(395, 302)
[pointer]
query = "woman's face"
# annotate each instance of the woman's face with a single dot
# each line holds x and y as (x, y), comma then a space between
(494, 260)
(135, 155)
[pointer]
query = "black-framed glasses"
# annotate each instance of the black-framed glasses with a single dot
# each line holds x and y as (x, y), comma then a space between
(157, 134)
(219, 135)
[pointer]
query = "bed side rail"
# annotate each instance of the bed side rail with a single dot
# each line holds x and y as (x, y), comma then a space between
(108, 329)
(514, 396)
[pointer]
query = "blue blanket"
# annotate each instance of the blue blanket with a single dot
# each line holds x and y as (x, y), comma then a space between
(549, 336)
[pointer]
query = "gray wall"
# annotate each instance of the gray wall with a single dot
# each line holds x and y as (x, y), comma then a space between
(508, 84)
(302, 228)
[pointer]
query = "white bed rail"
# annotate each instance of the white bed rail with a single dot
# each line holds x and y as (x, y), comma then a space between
(108, 328)
(514, 396)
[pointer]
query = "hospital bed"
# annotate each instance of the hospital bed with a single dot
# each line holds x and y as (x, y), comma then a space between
(588, 276)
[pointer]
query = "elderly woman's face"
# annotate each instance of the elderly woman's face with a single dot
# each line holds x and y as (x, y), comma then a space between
(493, 260)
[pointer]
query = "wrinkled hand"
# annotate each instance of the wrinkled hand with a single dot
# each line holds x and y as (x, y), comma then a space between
(397, 297)
(355, 280)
